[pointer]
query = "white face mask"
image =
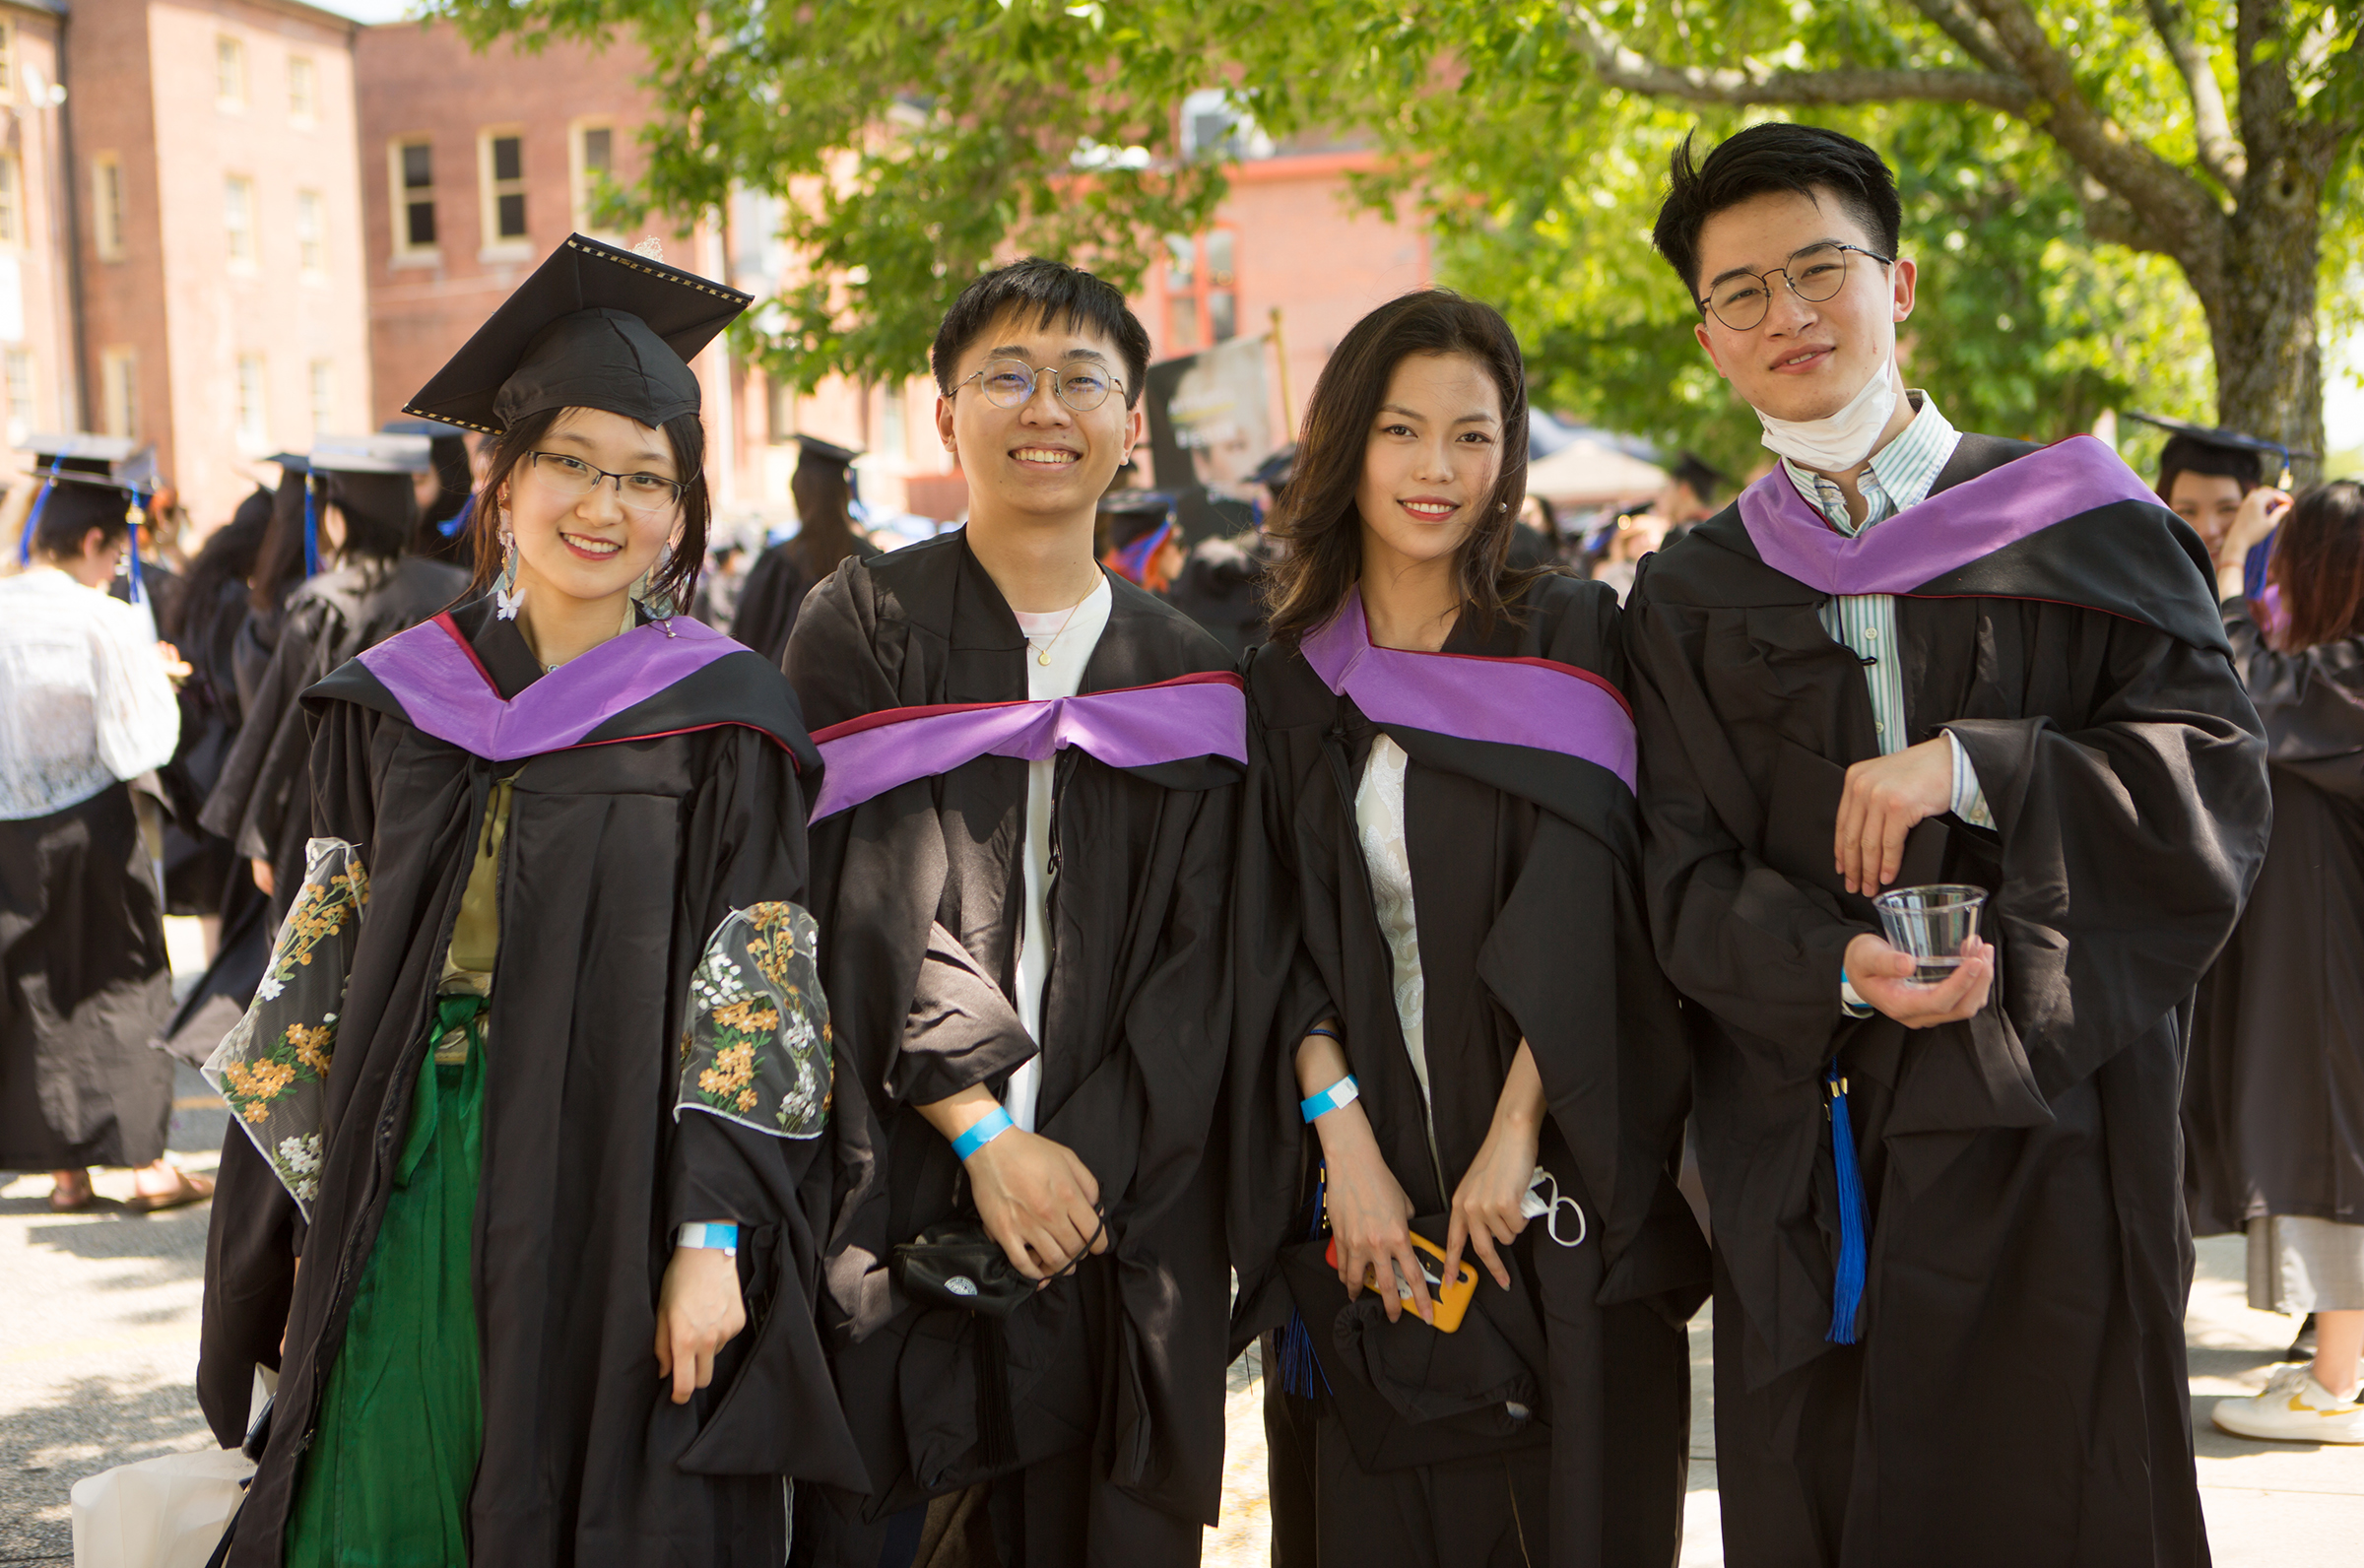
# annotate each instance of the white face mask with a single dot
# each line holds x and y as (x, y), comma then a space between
(1836, 444)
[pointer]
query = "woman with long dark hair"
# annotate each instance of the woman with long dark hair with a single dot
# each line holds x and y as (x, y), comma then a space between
(1455, 1048)
(826, 534)
(359, 516)
(2273, 1098)
(541, 1057)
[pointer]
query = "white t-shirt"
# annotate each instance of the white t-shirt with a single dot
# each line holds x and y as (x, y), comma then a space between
(1068, 636)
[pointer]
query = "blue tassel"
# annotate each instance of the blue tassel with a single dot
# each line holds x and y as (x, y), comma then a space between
(33, 520)
(1300, 1368)
(1847, 1281)
(450, 526)
(132, 554)
(311, 532)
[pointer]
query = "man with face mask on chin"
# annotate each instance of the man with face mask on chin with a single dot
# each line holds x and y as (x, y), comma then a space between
(1952, 1257)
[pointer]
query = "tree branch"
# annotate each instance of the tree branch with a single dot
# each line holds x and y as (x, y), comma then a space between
(1622, 66)
(1969, 36)
(2220, 152)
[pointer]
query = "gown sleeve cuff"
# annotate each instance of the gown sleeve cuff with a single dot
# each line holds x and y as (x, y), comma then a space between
(756, 1044)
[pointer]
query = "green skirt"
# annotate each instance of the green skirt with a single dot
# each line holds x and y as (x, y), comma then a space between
(386, 1479)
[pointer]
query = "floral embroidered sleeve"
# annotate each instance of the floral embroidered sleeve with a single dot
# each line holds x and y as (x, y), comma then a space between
(755, 1045)
(273, 1066)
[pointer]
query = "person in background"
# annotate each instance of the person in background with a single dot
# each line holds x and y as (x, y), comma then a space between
(1024, 937)
(1144, 547)
(1622, 547)
(826, 533)
(1694, 492)
(2273, 1096)
(279, 570)
(1452, 1030)
(359, 519)
(1221, 584)
(85, 707)
(1951, 1255)
(443, 489)
(2204, 476)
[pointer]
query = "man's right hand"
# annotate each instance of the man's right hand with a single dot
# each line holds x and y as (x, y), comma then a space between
(1038, 1201)
(1882, 976)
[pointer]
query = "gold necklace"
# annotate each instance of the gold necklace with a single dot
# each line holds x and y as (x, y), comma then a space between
(1042, 655)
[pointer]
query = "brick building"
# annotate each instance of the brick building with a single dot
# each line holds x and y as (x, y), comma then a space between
(37, 381)
(216, 217)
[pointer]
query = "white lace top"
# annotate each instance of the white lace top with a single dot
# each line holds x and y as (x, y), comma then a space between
(1379, 823)
(84, 697)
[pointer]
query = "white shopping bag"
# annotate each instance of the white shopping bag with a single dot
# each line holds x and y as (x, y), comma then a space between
(167, 1512)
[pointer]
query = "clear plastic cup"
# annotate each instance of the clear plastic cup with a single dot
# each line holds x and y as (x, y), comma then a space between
(1932, 924)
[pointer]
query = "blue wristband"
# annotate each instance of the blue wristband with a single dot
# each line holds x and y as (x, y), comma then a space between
(992, 1124)
(1344, 1093)
(721, 1238)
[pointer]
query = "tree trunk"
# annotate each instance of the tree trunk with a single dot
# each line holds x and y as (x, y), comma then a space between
(2262, 319)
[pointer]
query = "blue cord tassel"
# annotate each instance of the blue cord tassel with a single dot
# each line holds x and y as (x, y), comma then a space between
(1300, 1368)
(311, 532)
(33, 520)
(450, 526)
(132, 554)
(1847, 1281)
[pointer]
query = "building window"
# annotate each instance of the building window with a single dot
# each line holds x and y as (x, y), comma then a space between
(237, 218)
(892, 435)
(229, 72)
(12, 200)
(303, 89)
(21, 410)
(254, 425)
(593, 166)
(414, 177)
(107, 206)
(311, 232)
(324, 396)
(1202, 298)
(501, 174)
(8, 60)
(119, 393)
(779, 409)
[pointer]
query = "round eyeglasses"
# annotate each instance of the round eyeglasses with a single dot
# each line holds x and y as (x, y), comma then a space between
(1814, 274)
(573, 479)
(1010, 383)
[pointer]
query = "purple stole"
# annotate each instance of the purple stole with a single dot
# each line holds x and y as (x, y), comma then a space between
(1539, 703)
(1192, 715)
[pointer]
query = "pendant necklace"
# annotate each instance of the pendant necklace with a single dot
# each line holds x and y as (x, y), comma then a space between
(1042, 654)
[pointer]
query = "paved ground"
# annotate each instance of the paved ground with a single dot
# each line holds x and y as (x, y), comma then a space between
(99, 1341)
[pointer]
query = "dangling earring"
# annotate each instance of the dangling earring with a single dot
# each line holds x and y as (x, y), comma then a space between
(506, 595)
(640, 589)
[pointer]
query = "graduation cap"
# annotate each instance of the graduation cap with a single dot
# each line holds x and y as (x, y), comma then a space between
(1139, 522)
(2207, 435)
(430, 429)
(1275, 471)
(353, 454)
(594, 327)
(93, 464)
(813, 449)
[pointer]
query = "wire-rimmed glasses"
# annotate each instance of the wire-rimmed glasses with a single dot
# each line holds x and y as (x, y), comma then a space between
(1816, 274)
(1010, 383)
(573, 479)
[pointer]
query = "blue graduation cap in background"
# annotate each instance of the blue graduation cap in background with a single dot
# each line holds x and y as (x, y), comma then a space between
(399, 452)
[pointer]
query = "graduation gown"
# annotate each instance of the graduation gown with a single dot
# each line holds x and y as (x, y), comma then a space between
(647, 807)
(259, 802)
(1115, 1373)
(2018, 1393)
(2273, 1102)
(1526, 863)
(774, 591)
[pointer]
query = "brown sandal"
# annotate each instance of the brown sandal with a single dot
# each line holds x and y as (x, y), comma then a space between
(192, 1190)
(63, 1200)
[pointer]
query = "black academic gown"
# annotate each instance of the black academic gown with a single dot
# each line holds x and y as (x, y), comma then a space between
(1220, 587)
(1115, 1373)
(623, 855)
(2273, 1100)
(1526, 866)
(2018, 1395)
(260, 803)
(773, 594)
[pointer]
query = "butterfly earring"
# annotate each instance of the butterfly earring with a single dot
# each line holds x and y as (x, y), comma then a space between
(506, 595)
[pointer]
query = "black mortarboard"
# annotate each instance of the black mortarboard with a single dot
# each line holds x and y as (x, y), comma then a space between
(91, 464)
(2222, 440)
(595, 327)
(1275, 471)
(396, 453)
(813, 449)
(1135, 514)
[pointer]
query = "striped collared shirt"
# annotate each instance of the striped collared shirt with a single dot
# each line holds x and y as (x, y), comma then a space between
(1900, 476)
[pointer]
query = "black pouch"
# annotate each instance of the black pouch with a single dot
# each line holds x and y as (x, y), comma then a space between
(1406, 1393)
(955, 1264)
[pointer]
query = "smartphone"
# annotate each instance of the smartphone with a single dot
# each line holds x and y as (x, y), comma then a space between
(1452, 1301)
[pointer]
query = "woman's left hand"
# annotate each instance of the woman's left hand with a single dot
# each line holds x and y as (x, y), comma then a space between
(698, 1312)
(1485, 1206)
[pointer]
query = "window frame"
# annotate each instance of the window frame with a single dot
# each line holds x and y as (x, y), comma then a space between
(304, 108)
(403, 253)
(24, 411)
(255, 437)
(12, 201)
(119, 391)
(320, 391)
(492, 244)
(232, 183)
(314, 202)
(578, 173)
(110, 208)
(8, 61)
(232, 59)
(1204, 287)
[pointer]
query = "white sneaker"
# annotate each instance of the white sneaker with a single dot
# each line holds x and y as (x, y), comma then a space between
(2294, 1408)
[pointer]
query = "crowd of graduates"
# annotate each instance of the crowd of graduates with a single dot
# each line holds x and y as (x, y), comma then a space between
(843, 1092)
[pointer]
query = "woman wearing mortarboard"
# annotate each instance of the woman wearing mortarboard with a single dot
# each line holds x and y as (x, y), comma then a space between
(826, 534)
(1455, 1049)
(85, 707)
(540, 1059)
(360, 586)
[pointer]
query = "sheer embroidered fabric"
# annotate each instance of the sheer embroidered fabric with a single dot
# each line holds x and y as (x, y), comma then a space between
(84, 698)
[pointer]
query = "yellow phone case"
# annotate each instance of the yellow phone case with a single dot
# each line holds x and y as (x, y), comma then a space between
(1452, 1301)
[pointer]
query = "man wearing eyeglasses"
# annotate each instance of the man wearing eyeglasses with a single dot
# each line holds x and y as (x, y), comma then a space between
(1021, 848)
(1952, 1257)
